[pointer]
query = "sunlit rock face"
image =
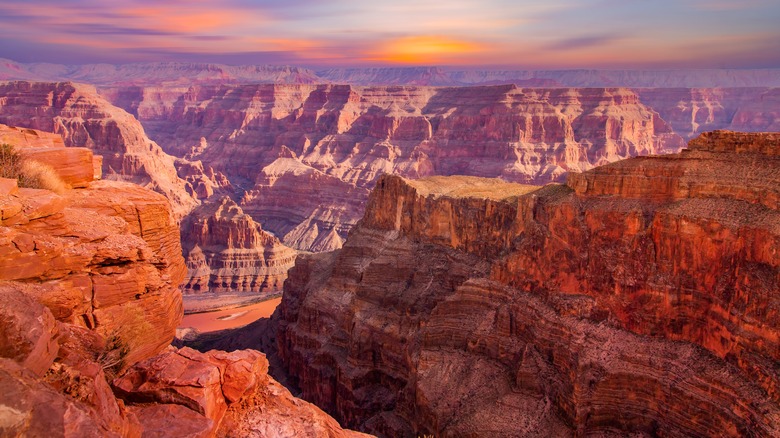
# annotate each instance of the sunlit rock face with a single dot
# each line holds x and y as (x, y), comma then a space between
(304, 157)
(638, 298)
(89, 281)
(84, 119)
(227, 251)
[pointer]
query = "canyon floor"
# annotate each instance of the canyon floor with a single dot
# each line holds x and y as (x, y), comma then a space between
(231, 318)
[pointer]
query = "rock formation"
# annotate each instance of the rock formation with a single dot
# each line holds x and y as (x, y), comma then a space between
(226, 251)
(639, 298)
(89, 284)
(84, 119)
(325, 145)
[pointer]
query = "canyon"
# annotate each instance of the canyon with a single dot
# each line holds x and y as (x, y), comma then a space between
(299, 157)
(82, 118)
(639, 297)
(457, 261)
(326, 145)
(89, 279)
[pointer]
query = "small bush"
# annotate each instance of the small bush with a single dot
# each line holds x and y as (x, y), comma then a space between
(10, 162)
(112, 357)
(29, 173)
(37, 175)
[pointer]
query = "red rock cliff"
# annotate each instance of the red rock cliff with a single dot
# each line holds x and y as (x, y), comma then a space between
(84, 119)
(227, 251)
(89, 284)
(641, 297)
(336, 140)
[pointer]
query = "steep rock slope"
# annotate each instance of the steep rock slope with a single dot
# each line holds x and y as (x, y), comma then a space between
(88, 281)
(275, 142)
(226, 250)
(639, 298)
(85, 119)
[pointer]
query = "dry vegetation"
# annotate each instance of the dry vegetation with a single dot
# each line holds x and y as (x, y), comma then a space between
(29, 173)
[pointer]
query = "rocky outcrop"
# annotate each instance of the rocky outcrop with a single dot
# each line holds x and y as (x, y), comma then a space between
(75, 167)
(232, 392)
(226, 251)
(638, 298)
(84, 119)
(89, 284)
(326, 145)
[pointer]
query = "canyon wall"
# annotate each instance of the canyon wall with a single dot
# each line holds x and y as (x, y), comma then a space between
(692, 111)
(639, 298)
(229, 252)
(326, 145)
(89, 283)
(82, 118)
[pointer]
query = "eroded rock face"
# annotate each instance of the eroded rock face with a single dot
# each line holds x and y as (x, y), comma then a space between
(89, 285)
(231, 392)
(226, 250)
(638, 298)
(84, 119)
(326, 145)
(105, 257)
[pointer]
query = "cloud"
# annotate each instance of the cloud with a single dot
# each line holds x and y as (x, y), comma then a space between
(584, 42)
(356, 32)
(422, 49)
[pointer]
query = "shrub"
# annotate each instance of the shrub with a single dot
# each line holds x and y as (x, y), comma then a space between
(10, 162)
(37, 175)
(112, 357)
(29, 173)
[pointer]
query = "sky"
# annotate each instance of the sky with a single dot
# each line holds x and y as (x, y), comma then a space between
(521, 34)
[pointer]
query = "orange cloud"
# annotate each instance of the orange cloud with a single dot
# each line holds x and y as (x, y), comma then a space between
(423, 50)
(174, 19)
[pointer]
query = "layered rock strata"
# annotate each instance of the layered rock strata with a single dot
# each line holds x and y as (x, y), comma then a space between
(326, 145)
(81, 117)
(639, 298)
(84, 119)
(226, 251)
(89, 285)
(184, 74)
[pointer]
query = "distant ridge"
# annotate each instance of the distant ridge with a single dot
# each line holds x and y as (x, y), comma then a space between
(179, 73)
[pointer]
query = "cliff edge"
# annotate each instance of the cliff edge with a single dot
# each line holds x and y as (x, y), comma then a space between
(639, 298)
(89, 280)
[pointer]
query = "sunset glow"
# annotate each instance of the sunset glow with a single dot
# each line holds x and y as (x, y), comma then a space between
(530, 34)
